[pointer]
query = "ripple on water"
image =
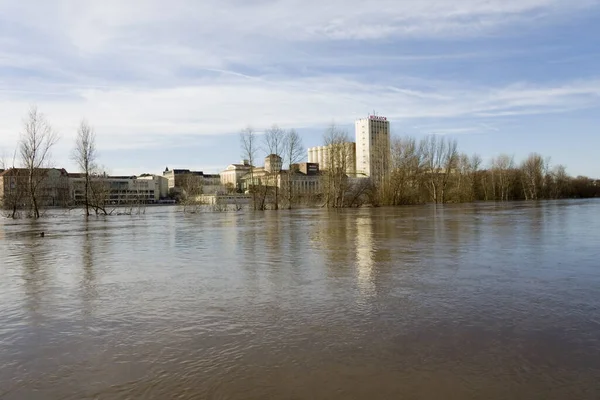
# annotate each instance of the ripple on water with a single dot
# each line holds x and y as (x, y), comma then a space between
(466, 302)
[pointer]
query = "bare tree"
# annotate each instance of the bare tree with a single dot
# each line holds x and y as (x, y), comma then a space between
(37, 139)
(501, 170)
(293, 153)
(404, 183)
(334, 173)
(476, 162)
(99, 192)
(191, 186)
(275, 142)
(559, 182)
(249, 149)
(532, 175)
(13, 185)
(440, 158)
(84, 155)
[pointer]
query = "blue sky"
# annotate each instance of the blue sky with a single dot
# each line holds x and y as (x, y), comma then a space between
(173, 83)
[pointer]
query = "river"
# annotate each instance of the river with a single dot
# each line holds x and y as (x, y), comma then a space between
(476, 301)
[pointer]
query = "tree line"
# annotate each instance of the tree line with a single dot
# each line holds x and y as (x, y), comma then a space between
(411, 171)
(433, 169)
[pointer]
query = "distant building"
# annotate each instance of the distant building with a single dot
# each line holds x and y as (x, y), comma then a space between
(161, 185)
(373, 146)
(231, 177)
(324, 156)
(116, 190)
(177, 178)
(304, 177)
(273, 163)
(53, 187)
(211, 183)
(308, 168)
(193, 182)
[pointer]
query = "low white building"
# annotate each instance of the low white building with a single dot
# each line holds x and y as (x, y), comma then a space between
(116, 189)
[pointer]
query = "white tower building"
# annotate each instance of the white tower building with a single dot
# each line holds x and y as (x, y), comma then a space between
(373, 146)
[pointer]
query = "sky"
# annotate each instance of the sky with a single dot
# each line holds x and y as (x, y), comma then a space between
(171, 84)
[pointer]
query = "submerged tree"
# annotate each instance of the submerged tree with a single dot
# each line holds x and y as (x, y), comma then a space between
(249, 149)
(84, 155)
(406, 167)
(532, 176)
(440, 158)
(274, 142)
(293, 153)
(37, 139)
(338, 153)
(14, 187)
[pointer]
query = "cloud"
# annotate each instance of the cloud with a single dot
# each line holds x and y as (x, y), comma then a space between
(92, 26)
(228, 104)
(142, 70)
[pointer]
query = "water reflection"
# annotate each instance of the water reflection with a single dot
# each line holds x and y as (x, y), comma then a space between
(365, 248)
(36, 269)
(488, 301)
(88, 280)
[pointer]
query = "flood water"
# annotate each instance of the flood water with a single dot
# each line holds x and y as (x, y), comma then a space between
(486, 301)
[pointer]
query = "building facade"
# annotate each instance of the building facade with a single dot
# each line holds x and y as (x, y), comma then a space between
(373, 149)
(211, 184)
(52, 187)
(231, 177)
(184, 181)
(161, 185)
(273, 163)
(325, 156)
(115, 190)
(178, 178)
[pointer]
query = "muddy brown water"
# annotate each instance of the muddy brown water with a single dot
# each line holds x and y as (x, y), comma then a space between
(484, 301)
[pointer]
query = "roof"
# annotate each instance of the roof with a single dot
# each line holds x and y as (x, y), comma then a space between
(20, 171)
(238, 166)
(186, 171)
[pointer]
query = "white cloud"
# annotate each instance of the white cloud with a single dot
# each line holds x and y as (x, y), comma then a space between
(146, 68)
(93, 26)
(227, 104)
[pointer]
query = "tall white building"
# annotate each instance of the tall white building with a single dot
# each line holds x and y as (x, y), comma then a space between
(373, 146)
